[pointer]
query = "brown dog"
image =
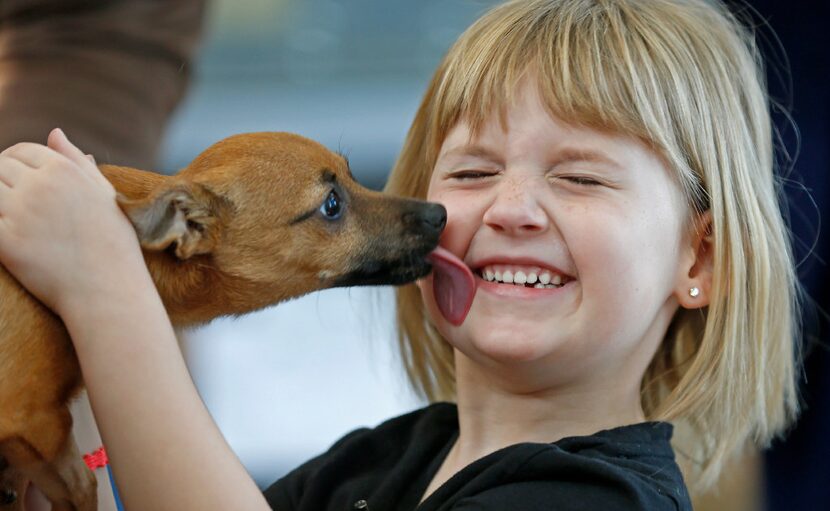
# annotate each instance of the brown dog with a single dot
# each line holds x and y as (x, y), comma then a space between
(254, 220)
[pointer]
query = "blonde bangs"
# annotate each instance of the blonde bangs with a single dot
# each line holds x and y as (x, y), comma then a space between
(596, 64)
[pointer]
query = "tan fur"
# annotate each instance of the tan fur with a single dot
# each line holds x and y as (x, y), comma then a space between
(236, 230)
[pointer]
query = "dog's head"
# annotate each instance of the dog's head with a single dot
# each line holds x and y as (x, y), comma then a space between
(279, 212)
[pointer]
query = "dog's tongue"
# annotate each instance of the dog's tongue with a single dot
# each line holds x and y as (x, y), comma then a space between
(453, 285)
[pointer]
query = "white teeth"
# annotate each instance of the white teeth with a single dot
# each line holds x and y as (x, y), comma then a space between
(534, 277)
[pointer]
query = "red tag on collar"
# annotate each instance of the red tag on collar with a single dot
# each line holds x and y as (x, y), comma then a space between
(97, 458)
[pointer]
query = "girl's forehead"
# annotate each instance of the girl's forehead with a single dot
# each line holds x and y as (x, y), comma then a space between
(527, 116)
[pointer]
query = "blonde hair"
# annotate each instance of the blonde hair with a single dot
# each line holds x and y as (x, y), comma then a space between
(685, 77)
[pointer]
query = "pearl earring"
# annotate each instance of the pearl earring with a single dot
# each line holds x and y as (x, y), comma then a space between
(694, 292)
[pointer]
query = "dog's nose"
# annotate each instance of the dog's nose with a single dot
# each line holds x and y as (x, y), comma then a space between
(435, 217)
(428, 218)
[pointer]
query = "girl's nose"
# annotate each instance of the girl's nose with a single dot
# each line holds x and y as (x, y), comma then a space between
(515, 210)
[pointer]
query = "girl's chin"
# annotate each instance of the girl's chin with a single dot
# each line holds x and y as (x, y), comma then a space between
(505, 342)
(497, 313)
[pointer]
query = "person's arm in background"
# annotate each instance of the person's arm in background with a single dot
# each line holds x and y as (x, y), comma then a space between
(110, 73)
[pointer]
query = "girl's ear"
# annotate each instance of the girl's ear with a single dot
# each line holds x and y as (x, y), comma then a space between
(694, 286)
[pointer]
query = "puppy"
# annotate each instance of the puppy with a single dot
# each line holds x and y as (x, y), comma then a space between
(254, 220)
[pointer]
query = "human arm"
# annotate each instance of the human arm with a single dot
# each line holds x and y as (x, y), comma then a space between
(84, 65)
(64, 238)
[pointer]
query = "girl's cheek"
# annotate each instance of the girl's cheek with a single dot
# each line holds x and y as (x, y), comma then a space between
(458, 232)
(465, 212)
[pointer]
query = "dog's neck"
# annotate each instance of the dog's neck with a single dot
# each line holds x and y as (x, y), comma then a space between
(195, 292)
(191, 290)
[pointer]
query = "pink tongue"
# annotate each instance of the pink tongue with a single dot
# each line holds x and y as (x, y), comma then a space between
(453, 285)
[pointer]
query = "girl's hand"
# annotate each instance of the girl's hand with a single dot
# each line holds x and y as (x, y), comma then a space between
(62, 235)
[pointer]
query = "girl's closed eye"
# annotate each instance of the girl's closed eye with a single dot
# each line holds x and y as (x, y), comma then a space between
(582, 180)
(469, 175)
(578, 180)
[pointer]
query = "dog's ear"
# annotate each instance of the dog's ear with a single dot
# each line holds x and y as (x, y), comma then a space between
(187, 216)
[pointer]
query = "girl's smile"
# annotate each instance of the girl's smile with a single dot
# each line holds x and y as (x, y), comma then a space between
(576, 239)
(519, 277)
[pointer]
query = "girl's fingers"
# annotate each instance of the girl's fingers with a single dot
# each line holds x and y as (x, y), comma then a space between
(33, 155)
(11, 170)
(58, 147)
(6, 200)
(5, 193)
(58, 142)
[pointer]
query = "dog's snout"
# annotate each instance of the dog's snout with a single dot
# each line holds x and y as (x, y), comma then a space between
(426, 218)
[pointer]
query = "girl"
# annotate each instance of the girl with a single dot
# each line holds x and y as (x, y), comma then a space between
(607, 170)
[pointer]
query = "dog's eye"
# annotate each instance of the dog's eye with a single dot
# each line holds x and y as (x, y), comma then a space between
(332, 207)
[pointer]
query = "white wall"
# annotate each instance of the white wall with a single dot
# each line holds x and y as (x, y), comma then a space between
(286, 382)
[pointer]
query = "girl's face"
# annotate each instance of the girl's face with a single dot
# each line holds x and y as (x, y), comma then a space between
(595, 217)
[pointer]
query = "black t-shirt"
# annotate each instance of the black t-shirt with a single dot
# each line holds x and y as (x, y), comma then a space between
(388, 468)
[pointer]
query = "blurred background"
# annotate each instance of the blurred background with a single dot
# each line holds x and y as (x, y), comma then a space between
(151, 83)
(349, 74)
